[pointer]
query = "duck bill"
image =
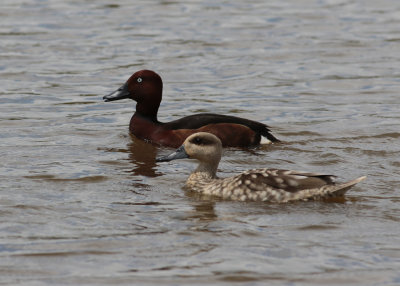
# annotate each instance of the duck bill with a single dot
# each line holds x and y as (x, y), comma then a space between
(180, 153)
(120, 93)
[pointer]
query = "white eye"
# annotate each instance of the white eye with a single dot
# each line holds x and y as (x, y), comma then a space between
(139, 79)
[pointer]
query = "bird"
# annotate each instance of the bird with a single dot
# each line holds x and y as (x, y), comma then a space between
(145, 87)
(268, 185)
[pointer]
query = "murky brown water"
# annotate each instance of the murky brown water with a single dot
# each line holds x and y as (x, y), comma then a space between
(83, 203)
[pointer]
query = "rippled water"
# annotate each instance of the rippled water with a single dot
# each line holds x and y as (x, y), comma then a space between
(84, 203)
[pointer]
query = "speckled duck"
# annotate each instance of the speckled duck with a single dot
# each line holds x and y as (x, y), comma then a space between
(270, 185)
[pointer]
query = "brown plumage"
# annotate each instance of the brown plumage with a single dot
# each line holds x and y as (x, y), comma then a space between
(145, 87)
(271, 185)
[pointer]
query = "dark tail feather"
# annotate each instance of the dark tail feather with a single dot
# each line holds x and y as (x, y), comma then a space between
(266, 133)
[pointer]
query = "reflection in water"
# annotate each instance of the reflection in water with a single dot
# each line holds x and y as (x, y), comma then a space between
(72, 185)
(142, 155)
(203, 211)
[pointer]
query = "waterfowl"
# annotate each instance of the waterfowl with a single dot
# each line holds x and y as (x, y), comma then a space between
(145, 87)
(272, 185)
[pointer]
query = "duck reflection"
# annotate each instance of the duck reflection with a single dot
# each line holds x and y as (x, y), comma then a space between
(203, 206)
(142, 155)
(203, 211)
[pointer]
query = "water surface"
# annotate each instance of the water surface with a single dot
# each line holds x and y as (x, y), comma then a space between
(84, 203)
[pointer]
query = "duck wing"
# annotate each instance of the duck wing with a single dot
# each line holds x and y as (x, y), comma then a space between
(286, 180)
(202, 119)
(283, 185)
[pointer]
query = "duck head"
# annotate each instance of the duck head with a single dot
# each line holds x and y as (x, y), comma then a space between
(144, 87)
(203, 146)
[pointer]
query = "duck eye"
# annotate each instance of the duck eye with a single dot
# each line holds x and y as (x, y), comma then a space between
(200, 141)
(139, 79)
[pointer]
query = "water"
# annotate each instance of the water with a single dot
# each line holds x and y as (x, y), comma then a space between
(84, 203)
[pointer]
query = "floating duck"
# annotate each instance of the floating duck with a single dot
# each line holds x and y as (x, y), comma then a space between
(272, 185)
(145, 87)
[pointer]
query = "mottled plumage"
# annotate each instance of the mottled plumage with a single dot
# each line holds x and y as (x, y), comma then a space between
(271, 185)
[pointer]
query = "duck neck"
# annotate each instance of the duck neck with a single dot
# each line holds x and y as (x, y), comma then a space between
(207, 169)
(148, 110)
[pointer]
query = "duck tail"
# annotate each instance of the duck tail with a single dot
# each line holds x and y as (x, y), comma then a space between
(267, 137)
(341, 189)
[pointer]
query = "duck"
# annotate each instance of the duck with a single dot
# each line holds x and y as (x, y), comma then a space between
(268, 185)
(145, 87)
